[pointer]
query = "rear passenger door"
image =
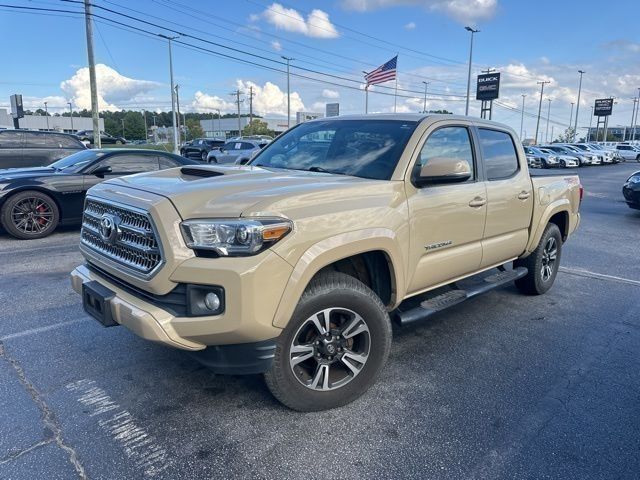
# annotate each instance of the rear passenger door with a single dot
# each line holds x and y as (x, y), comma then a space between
(36, 151)
(509, 197)
(11, 149)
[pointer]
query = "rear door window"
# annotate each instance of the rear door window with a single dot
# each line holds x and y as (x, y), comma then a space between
(499, 154)
(10, 139)
(128, 164)
(36, 140)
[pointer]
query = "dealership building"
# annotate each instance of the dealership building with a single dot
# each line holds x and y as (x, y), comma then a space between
(53, 123)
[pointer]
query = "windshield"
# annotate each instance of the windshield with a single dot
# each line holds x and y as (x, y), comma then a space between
(362, 148)
(75, 162)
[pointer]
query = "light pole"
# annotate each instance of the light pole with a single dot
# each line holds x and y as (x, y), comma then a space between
(590, 122)
(546, 133)
(469, 29)
(288, 59)
(542, 84)
(46, 114)
(522, 115)
(424, 107)
(176, 139)
(571, 116)
(366, 94)
(219, 122)
(71, 113)
(636, 119)
(146, 131)
(122, 120)
(575, 126)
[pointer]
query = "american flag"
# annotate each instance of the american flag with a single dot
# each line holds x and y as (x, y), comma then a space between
(383, 73)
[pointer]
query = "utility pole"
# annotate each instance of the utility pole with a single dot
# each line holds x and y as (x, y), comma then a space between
(176, 137)
(633, 117)
(635, 121)
(177, 88)
(219, 121)
(146, 131)
(122, 120)
(424, 106)
(46, 114)
(546, 133)
(93, 84)
(551, 134)
(71, 113)
(366, 94)
(542, 84)
(575, 126)
(288, 59)
(473, 31)
(238, 102)
(590, 122)
(251, 109)
(523, 95)
(571, 116)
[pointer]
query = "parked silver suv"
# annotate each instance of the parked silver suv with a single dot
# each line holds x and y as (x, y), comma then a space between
(236, 151)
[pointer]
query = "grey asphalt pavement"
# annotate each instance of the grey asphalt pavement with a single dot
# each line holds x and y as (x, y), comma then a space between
(504, 386)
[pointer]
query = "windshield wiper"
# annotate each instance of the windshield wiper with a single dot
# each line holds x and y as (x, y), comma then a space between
(319, 169)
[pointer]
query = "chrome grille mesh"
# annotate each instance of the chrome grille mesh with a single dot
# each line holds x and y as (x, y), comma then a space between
(135, 245)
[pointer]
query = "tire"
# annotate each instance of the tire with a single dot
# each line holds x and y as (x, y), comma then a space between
(638, 159)
(203, 156)
(354, 362)
(29, 215)
(563, 164)
(119, 142)
(212, 160)
(537, 281)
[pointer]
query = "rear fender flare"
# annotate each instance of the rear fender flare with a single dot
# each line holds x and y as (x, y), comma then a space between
(561, 205)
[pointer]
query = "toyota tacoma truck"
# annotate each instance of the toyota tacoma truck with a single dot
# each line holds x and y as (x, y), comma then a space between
(295, 265)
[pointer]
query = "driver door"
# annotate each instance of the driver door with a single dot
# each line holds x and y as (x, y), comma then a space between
(446, 220)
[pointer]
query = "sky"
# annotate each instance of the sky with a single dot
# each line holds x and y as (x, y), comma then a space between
(225, 46)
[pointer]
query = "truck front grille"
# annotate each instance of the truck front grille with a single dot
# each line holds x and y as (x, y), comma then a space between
(121, 235)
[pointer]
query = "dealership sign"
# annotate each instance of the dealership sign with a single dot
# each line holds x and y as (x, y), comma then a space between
(332, 109)
(603, 107)
(488, 86)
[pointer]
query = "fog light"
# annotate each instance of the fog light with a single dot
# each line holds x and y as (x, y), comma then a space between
(212, 301)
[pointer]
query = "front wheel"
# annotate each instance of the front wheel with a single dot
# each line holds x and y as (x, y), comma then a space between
(29, 215)
(203, 156)
(563, 164)
(543, 263)
(638, 159)
(334, 347)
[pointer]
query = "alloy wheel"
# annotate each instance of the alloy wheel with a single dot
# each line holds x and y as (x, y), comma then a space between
(32, 215)
(549, 256)
(330, 349)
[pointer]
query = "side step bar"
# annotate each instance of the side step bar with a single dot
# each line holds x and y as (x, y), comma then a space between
(454, 297)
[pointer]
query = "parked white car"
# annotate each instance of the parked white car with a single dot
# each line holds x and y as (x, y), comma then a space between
(564, 161)
(628, 152)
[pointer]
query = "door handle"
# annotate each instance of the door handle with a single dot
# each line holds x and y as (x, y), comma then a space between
(477, 202)
(524, 195)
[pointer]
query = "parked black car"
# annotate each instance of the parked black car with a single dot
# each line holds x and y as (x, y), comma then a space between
(631, 191)
(34, 201)
(105, 138)
(32, 148)
(200, 147)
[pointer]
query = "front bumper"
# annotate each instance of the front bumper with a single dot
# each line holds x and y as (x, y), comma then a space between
(252, 287)
(632, 196)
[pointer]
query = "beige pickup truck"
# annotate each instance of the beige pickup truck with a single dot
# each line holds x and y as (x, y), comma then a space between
(296, 264)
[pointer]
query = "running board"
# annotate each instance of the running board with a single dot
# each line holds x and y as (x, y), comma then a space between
(453, 297)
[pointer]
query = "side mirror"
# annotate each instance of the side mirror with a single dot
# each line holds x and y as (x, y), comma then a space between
(102, 170)
(441, 170)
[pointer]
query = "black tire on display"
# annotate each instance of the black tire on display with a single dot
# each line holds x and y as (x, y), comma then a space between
(29, 215)
(334, 347)
(543, 263)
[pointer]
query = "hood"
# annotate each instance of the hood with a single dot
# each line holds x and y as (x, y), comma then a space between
(233, 191)
(14, 173)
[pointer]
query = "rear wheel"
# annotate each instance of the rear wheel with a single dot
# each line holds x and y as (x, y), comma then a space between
(334, 347)
(29, 215)
(543, 263)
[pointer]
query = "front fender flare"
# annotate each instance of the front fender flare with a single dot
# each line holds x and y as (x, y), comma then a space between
(338, 247)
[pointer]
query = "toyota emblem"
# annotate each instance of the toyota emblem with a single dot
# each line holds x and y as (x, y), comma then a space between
(109, 228)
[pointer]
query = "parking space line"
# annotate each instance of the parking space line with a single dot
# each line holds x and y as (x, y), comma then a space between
(35, 331)
(600, 276)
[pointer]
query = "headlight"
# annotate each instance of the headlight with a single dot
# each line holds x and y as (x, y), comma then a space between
(234, 237)
(551, 159)
(634, 179)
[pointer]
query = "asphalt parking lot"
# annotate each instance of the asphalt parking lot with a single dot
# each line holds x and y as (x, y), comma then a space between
(504, 386)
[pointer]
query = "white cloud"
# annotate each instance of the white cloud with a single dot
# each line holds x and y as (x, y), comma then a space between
(461, 10)
(254, 17)
(112, 87)
(270, 100)
(410, 26)
(327, 93)
(205, 103)
(316, 25)
(276, 45)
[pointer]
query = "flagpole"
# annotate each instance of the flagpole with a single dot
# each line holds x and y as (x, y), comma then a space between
(395, 94)
(366, 99)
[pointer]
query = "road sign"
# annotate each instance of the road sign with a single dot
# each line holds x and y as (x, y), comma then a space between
(332, 109)
(603, 107)
(16, 106)
(488, 86)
